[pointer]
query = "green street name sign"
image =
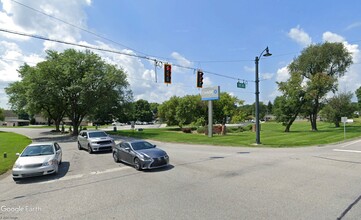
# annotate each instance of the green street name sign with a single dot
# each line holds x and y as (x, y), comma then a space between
(241, 85)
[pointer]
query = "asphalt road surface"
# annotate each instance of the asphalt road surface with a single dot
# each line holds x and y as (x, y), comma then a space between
(202, 182)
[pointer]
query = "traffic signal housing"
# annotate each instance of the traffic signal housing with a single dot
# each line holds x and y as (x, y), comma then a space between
(167, 73)
(199, 78)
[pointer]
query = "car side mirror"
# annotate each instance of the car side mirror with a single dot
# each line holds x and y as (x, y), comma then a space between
(17, 154)
(127, 149)
(154, 145)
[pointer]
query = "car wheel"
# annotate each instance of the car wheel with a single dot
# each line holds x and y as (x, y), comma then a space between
(90, 151)
(115, 157)
(79, 146)
(137, 164)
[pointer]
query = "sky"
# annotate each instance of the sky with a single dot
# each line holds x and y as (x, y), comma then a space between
(222, 38)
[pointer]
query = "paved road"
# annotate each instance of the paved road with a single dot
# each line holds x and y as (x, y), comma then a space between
(203, 182)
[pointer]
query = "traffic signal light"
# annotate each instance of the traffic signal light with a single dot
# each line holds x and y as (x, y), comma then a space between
(199, 78)
(167, 73)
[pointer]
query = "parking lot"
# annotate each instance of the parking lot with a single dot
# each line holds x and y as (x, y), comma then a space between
(201, 182)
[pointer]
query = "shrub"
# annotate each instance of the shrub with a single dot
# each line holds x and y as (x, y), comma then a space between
(187, 130)
(201, 130)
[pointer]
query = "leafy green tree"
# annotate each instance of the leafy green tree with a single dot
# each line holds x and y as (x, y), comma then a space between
(338, 106)
(287, 107)
(167, 111)
(189, 109)
(143, 112)
(225, 107)
(269, 107)
(2, 117)
(358, 95)
(154, 108)
(73, 83)
(320, 66)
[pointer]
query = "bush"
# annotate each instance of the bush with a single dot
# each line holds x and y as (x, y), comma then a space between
(201, 130)
(248, 127)
(234, 129)
(187, 130)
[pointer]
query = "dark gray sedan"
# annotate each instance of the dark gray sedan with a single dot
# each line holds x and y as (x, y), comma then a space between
(140, 154)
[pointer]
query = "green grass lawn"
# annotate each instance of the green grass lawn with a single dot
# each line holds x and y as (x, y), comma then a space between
(10, 143)
(272, 135)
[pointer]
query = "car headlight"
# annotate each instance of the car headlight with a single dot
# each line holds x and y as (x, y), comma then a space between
(144, 157)
(49, 163)
(17, 165)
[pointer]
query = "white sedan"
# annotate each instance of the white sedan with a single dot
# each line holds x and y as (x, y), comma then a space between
(37, 159)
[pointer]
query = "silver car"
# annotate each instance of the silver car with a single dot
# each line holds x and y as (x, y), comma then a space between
(95, 141)
(38, 159)
(140, 154)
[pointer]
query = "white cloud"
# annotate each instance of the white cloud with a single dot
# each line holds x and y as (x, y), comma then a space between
(282, 74)
(182, 61)
(354, 25)
(23, 19)
(300, 36)
(11, 58)
(249, 69)
(332, 37)
(266, 76)
(347, 82)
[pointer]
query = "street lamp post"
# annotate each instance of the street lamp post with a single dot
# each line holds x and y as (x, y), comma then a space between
(267, 54)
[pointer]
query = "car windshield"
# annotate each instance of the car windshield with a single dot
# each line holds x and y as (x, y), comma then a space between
(142, 145)
(37, 150)
(97, 134)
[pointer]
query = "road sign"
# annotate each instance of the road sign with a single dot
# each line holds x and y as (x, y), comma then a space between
(210, 93)
(241, 85)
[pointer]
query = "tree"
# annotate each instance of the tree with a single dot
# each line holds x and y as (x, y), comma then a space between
(358, 95)
(154, 108)
(167, 111)
(143, 111)
(2, 117)
(338, 106)
(225, 107)
(189, 109)
(320, 66)
(288, 106)
(73, 83)
(269, 107)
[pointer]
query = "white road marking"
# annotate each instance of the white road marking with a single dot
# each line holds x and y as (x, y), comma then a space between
(108, 170)
(350, 151)
(346, 145)
(77, 176)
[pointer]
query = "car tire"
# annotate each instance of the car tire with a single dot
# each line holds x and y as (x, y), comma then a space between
(90, 151)
(137, 164)
(79, 146)
(115, 157)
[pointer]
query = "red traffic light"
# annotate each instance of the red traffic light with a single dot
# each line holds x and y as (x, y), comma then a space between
(199, 79)
(167, 73)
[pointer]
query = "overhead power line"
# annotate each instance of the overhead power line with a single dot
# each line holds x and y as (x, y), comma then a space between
(75, 26)
(156, 61)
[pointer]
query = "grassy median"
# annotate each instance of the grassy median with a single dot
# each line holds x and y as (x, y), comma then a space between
(10, 143)
(272, 135)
